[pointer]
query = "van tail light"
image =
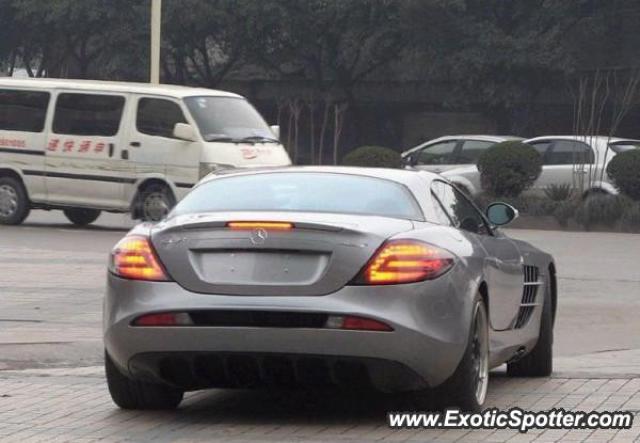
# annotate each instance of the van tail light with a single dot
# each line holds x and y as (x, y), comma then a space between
(405, 261)
(135, 258)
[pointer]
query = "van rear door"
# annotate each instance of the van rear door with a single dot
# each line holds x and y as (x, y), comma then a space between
(85, 162)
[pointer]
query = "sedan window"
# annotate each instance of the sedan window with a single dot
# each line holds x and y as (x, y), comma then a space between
(303, 192)
(569, 152)
(471, 151)
(438, 154)
(542, 147)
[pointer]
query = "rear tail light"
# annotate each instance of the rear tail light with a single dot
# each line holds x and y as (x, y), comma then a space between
(134, 258)
(405, 261)
(248, 225)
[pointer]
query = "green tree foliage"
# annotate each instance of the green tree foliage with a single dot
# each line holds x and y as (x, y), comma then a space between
(372, 156)
(509, 168)
(68, 38)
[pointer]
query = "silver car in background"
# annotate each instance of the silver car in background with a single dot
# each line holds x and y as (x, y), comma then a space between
(451, 151)
(323, 276)
(577, 161)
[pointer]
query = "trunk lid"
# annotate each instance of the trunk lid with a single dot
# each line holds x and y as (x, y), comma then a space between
(320, 255)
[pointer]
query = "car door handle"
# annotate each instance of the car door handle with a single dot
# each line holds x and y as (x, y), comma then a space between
(124, 155)
(111, 149)
(135, 144)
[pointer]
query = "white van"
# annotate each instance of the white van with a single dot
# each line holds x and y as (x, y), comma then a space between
(87, 146)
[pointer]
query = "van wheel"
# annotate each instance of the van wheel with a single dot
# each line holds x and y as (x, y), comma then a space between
(81, 216)
(155, 202)
(14, 203)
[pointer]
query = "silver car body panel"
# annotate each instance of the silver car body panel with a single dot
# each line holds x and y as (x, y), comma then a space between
(430, 319)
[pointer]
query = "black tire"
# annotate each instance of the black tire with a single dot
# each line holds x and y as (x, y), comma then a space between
(14, 202)
(81, 216)
(538, 362)
(154, 202)
(133, 394)
(461, 389)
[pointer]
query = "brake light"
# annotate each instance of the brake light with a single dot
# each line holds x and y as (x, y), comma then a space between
(245, 225)
(134, 258)
(405, 261)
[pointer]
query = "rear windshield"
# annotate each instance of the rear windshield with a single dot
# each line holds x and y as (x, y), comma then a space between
(303, 192)
(623, 146)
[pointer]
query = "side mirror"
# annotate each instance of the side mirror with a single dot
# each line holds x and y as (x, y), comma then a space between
(276, 131)
(184, 131)
(408, 161)
(501, 213)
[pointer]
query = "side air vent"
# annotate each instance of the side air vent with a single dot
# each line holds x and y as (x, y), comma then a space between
(529, 292)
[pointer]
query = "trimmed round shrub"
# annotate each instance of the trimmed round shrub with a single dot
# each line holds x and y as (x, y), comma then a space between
(600, 210)
(372, 156)
(631, 218)
(509, 168)
(624, 171)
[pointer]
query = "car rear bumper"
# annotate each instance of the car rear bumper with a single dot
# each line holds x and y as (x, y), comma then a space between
(430, 322)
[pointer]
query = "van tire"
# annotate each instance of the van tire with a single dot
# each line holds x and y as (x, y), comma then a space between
(14, 202)
(155, 201)
(81, 216)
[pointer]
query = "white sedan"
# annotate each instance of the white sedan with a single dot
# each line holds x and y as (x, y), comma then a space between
(579, 161)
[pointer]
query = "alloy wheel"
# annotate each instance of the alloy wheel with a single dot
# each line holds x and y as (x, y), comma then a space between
(155, 206)
(480, 355)
(8, 201)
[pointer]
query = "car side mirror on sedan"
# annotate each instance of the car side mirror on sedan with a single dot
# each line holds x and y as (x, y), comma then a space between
(501, 213)
(408, 161)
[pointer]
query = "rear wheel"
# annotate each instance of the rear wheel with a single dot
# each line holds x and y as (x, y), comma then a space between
(14, 203)
(81, 216)
(155, 201)
(132, 394)
(538, 362)
(467, 387)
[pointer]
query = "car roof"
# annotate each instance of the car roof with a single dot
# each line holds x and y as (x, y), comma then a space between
(481, 137)
(404, 176)
(583, 138)
(110, 86)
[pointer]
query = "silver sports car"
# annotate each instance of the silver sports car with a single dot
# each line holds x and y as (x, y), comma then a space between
(325, 276)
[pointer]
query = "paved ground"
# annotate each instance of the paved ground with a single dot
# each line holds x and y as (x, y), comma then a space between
(51, 382)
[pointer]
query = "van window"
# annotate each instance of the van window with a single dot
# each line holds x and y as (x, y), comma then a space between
(157, 117)
(88, 114)
(220, 117)
(23, 110)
